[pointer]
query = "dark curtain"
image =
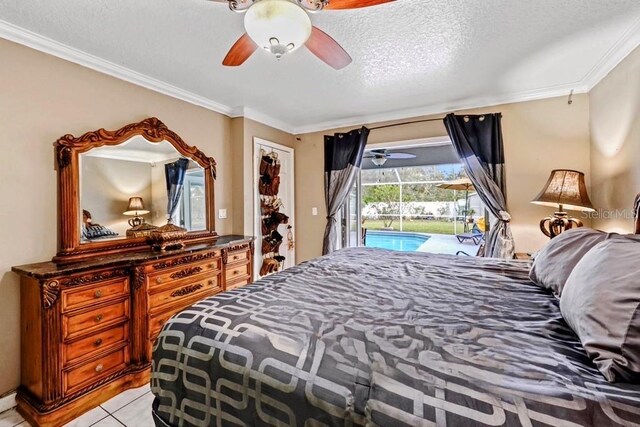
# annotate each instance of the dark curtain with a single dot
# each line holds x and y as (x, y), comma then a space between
(478, 143)
(342, 160)
(174, 174)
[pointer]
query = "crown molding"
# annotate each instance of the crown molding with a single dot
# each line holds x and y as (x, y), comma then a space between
(479, 102)
(44, 44)
(614, 56)
(257, 116)
(620, 50)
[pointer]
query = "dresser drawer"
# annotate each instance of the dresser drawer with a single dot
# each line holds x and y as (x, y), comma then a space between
(238, 256)
(157, 322)
(161, 278)
(237, 272)
(88, 321)
(203, 284)
(86, 347)
(237, 283)
(90, 295)
(96, 369)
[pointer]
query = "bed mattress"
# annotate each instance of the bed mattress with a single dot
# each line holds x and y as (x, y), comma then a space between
(375, 337)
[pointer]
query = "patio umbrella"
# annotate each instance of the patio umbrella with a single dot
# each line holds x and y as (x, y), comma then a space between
(462, 184)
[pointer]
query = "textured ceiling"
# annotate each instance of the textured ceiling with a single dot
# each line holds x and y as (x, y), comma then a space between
(409, 57)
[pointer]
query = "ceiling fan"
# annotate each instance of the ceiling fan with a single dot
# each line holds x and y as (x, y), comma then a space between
(380, 157)
(283, 26)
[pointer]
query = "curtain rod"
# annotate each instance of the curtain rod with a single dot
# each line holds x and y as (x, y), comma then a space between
(408, 123)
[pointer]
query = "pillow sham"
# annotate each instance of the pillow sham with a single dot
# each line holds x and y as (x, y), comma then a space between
(96, 232)
(553, 263)
(601, 303)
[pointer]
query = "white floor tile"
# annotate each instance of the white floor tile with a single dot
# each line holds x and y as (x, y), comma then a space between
(137, 413)
(88, 418)
(124, 398)
(108, 422)
(10, 418)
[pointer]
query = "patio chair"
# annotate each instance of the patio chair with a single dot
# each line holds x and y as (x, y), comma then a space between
(475, 234)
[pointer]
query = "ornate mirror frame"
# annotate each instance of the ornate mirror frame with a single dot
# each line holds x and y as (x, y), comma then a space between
(68, 148)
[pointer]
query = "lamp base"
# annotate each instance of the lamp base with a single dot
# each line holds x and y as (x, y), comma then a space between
(552, 226)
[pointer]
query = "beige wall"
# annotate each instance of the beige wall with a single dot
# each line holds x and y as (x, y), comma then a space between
(538, 136)
(244, 130)
(43, 98)
(615, 144)
(107, 184)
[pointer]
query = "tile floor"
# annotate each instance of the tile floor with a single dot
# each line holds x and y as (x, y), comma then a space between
(131, 408)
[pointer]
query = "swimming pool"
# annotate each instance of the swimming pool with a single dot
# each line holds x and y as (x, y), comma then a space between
(408, 242)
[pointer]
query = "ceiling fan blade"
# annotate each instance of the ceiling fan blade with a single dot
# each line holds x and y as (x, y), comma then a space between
(240, 51)
(327, 49)
(353, 4)
(400, 156)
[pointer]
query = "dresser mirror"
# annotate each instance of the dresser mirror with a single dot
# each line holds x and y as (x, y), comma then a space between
(116, 187)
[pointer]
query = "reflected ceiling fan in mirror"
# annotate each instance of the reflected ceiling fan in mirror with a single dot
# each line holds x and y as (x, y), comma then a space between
(283, 26)
(380, 157)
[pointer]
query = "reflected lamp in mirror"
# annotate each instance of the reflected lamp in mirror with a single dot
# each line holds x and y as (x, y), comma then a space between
(139, 228)
(136, 209)
(565, 189)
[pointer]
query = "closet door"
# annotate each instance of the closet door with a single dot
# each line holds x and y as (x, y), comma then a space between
(271, 208)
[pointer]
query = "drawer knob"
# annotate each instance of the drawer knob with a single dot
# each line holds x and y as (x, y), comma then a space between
(98, 293)
(235, 272)
(99, 367)
(98, 342)
(235, 257)
(99, 317)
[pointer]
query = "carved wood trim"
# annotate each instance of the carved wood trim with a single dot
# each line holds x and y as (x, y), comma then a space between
(189, 289)
(67, 150)
(186, 272)
(183, 260)
(225, 256)
(96, 277)
(239, 247)
(46, 407)
(139, 277)
(49, 292)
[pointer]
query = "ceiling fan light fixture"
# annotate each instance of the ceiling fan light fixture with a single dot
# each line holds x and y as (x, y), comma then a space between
(379, 160)
(279, 26)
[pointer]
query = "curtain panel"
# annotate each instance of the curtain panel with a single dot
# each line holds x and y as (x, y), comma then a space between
(342, 160)
(174, 174)
(477, 140)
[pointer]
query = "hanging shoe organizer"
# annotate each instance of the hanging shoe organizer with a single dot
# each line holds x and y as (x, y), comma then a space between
(271, 217)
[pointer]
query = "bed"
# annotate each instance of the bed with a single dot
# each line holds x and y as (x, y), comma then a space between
(373, 337)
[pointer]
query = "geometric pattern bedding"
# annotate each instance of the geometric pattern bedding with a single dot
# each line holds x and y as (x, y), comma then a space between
(374, 337)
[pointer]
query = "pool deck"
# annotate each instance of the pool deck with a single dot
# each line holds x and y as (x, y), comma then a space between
(447, 244)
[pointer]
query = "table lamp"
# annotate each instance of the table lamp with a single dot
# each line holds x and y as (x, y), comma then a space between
(565, 189)
(136, 209)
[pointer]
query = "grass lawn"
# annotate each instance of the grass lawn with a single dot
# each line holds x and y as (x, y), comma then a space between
(418, 226)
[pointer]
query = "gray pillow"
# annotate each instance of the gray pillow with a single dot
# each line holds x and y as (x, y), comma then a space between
(553, 263)
(601, 303)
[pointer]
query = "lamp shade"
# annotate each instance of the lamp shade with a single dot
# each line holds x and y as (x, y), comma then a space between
(565, 188)
(280, 26)
(136, 207)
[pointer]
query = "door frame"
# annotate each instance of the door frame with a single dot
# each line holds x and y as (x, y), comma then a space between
(257, 229)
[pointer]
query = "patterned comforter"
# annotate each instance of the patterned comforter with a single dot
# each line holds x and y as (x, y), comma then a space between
(374, 337)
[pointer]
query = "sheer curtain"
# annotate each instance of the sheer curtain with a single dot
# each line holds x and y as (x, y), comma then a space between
(342, 160)
(477, 140)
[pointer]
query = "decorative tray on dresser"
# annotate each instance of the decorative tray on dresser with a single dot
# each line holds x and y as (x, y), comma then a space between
(89, 317)
(88, 327)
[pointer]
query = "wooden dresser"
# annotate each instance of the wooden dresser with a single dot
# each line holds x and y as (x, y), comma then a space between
(88, 328)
